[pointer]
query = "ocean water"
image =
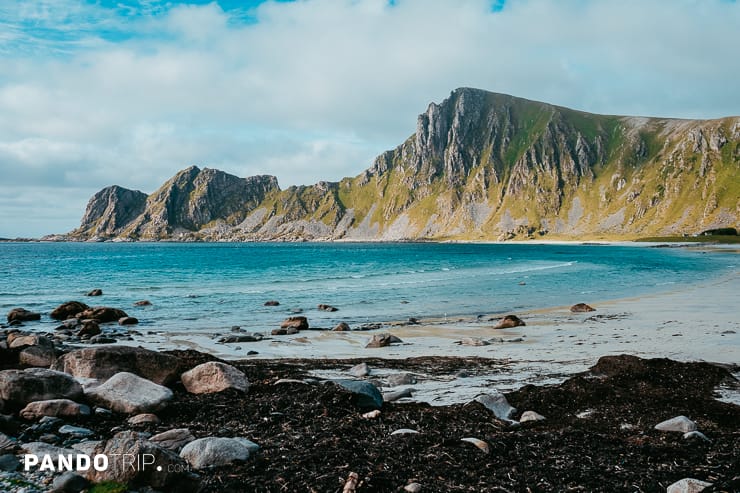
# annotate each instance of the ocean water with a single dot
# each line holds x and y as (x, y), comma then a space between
(215, 286)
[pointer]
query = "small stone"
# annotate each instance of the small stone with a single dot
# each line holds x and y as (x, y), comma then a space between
(509, 322)
(688, 485)
(143, 303)
(483, 446)
(128, 321)
(412, 488)
(401, 379)
(371, 415)
(75, 431)
(361, 370)
(214, 452)
(64, 408)
(298, 323)
(531, 416)
(473, 341)
(581, 308)
(95, 292)
(282, 381)
(394, 396)
(497, 404)
(368, 395)
(212, 377)
(696, 435)
(89, 328)
(272, 303)
(341, 327)
(9, 463)
(382, 340)
(405, 431)
(143, 418)
(679, 423)
(70, 482)
(128, 393)
(327, 308)
(173, 440)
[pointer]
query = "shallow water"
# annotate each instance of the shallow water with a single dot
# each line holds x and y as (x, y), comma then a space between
(215, 286)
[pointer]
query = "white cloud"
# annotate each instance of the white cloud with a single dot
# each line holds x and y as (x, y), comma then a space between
(315, 89)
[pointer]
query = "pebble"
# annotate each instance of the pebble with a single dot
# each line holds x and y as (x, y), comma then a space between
(696, 435)
(679, 423)
(497, 404)
(401, 379)
(394, 396)
(531, 416)
(688, 485)
(143, 419)
(412, 488)
(361, 370)
(483, 446)
(75, 431)
(372, 414)
(405, 431)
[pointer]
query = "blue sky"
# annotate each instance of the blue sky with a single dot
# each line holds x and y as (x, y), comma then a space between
(94, 93)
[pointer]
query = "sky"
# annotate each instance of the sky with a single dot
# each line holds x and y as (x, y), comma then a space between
(102, 92)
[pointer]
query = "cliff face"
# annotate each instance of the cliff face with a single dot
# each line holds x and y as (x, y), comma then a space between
(479, 166)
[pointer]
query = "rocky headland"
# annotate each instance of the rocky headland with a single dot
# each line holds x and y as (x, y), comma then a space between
(480, 166)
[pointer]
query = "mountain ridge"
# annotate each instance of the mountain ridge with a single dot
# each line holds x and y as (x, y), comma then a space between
(480, 166)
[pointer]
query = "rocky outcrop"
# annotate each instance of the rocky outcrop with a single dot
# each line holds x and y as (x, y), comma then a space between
(110, 210)
(479, 166)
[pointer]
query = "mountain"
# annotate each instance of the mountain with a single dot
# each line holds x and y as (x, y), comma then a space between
(481, 166)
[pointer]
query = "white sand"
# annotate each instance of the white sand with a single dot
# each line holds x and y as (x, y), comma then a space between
(691, 323)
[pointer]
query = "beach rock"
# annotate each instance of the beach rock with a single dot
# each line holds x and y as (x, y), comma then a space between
(531, 416)
(404, 431)
(298, 323)
(483, 446)
(688, 485)
(95, 292)
(166, 473)
(7, 444)
(105, 361)
(18, 340)
(368, 396)
(59, 408)
(497, 404)
(69, 482)
(412, 488)
(679, 423)
(89, 328)
(68, 310)
(233, 338)
(22, 315)
(9, 463)
(128, 321)
(41, 448)
(696, 435)
(38, 356)
(214, 452)
(582, 307)
(361, 370)
(143, 418)
(371, 414)
(173, 440)
(398, 394)
(382, 340)
(272, 303)
(20, 387)
(509, 322)
(103, 314)
(75, 431)
(473, 341)
(101, 339)
(128, 393)
(327, 308)
(212, 377)
(143, 303)
(279, 332)
(400, 379)
(341, 327)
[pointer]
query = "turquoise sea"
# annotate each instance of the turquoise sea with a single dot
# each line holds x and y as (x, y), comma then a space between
(215, 286)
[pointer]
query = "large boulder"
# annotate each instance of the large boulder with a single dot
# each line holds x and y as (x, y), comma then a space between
(128, 393)
(22, 315)
(40, 356)
(103, 314)
(19, 387)
(212, 377)
(58, 408)
(214, 452)
(18, 340)
(162, 469)
(105, 361)
(68, 310)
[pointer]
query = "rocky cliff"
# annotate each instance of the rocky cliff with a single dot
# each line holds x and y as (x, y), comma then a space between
(480, 166)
